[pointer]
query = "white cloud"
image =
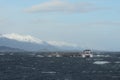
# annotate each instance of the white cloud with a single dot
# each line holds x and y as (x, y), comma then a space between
(61, 6)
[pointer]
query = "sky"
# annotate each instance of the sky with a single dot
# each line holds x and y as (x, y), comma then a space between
(93, 24)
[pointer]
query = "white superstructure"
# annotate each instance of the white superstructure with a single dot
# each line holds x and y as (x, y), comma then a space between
(87, 54)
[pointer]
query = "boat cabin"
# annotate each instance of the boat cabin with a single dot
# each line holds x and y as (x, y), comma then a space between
(87, 54)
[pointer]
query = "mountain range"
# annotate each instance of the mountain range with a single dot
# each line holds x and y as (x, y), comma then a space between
(8, 49)
(17, 42)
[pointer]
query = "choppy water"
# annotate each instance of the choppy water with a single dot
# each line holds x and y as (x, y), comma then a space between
(33, 67)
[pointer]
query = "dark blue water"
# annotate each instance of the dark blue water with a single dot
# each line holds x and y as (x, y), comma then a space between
(32, 67)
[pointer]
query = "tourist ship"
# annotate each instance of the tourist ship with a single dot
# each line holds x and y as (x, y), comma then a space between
(87, 54)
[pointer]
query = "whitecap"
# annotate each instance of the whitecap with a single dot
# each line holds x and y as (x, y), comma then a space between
(48, 72)
(40, 56)
(101, 62)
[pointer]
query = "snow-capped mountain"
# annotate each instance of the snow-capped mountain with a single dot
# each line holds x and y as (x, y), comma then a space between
(64, 45)
(29, 43)
(23, 38)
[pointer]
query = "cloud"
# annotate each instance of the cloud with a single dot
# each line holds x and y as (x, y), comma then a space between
(61, 6)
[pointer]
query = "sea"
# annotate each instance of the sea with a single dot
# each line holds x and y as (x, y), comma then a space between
(25, 66)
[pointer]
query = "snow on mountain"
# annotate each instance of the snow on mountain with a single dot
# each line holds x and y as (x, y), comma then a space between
(30, 43)
(64, 45)
(61, 44)
(24, 38)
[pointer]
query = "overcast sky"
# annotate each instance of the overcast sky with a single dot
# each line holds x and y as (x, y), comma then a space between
(91, 24)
